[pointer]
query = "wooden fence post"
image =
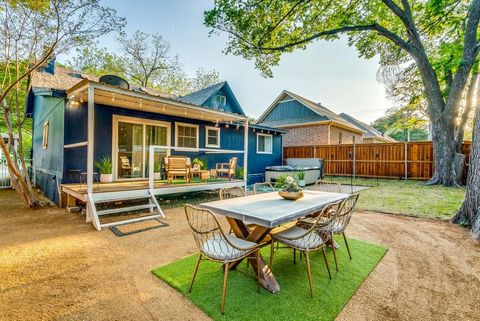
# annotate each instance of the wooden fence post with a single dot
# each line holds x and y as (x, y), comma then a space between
(354, 159)
(406, 160)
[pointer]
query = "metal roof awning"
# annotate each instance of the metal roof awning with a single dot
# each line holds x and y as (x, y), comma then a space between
(130, 99)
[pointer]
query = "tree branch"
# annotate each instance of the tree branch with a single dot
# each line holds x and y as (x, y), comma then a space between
(371, 27)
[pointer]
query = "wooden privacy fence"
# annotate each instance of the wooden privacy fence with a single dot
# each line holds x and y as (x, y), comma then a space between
(413, 160)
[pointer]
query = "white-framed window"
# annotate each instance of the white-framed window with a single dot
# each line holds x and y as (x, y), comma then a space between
(45, 135)
(212, 137)
(221, 100)
(186, 135)
(264, 143)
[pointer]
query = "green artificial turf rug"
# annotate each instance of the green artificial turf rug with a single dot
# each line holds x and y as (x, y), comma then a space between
(293, 302)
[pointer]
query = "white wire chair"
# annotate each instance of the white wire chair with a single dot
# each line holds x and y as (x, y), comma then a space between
(217, 246)
(306, 240)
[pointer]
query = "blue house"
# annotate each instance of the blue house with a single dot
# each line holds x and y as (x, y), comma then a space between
(79, 119)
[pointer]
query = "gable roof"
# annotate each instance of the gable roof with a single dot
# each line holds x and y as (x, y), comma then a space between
(370, 132)
(316, 108)
(201, 96)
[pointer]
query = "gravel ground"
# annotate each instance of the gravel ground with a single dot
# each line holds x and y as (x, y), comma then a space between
(54, 266)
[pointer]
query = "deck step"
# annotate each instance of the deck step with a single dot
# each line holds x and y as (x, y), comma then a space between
(126, 209)
(120, 196)
(132, 220)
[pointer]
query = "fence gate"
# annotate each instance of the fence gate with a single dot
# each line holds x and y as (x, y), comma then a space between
(4, 175)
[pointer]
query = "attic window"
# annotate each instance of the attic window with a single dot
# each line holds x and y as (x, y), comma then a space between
(221, 100)
(45, 135)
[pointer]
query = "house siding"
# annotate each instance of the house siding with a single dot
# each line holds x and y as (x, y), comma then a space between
(290, 112)
(48, 163)
(228, 107)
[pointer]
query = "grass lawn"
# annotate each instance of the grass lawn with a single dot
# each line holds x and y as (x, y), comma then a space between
(407, 197)
(293, 302)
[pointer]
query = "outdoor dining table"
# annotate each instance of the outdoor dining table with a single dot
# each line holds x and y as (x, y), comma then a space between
(266, 212)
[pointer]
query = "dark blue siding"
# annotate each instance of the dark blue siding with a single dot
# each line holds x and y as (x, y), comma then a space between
(258, 162)
(231, 105)
(290, 112)
(48, 163)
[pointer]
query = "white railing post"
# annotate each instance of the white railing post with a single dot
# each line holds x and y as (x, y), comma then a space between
(245, 154)
(91, 134)
(150, 168)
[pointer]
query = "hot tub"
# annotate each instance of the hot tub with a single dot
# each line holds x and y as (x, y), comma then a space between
(312, 167)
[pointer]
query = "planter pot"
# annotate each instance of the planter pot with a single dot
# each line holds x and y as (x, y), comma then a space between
(291, 195)
(156, 176)
(301, 183)
(106, 178)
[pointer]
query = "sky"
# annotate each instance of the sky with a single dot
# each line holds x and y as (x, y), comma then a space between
(327, 72)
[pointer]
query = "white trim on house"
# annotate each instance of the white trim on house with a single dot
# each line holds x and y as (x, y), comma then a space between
(271, 143)
(134, 120)
(217, 129)
(197, 128)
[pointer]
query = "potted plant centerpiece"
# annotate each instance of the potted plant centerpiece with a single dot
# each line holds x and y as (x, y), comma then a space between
(290, 190)
(301, 179)
(104, 166)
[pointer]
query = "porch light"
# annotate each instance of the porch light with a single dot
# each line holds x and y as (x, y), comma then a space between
(73, 103)
(185, 111)
(227, 125)
(140, 104)
(113, 97)
(201, 115)
(238, 126)
(163, 109)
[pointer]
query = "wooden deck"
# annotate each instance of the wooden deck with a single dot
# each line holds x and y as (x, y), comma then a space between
(72, 192)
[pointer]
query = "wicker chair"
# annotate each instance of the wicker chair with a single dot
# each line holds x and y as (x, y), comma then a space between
(217, 246)
(306, 240)
(264, 187)
(339, 224)
(231, 192)
(324, 186)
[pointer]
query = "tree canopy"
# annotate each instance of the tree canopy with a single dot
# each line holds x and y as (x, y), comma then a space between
(145, 60)
(433, 42)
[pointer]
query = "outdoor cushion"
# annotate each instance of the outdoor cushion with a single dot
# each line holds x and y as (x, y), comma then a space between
(219, 249)
(292, 237)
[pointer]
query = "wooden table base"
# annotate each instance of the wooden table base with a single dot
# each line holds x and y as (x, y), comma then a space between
(257, 235)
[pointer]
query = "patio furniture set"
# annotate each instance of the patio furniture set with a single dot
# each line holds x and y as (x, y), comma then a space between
(180, 166)
(263, 219)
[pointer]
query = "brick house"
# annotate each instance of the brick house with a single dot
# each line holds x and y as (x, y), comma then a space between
(308, 123)
(370, 135)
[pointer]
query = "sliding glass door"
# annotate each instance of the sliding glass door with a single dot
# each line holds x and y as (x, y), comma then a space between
(133, 139)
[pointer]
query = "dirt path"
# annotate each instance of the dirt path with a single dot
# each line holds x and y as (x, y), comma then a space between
(53, 266)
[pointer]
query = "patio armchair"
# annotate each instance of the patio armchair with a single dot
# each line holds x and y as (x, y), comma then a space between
(306, 240)
(229, 169)
(177, 166)
(324, 186)
(214, 245)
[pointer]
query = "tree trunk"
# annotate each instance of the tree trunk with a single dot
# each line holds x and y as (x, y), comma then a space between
(469, 213)
(443, 153)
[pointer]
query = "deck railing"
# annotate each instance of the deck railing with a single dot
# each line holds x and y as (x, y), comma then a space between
(167, 150)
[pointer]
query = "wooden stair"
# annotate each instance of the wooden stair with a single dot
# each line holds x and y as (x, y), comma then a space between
(113, 204)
